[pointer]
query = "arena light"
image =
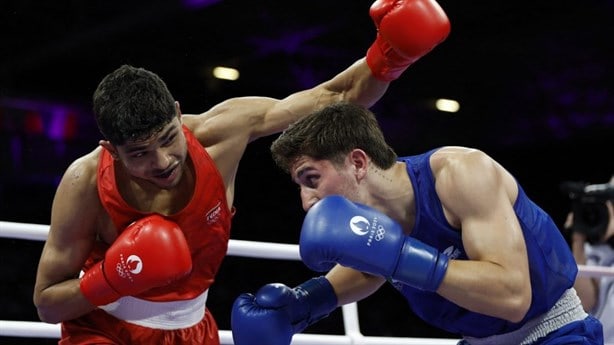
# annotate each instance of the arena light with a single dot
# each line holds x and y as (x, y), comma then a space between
(225, 73)
(447, 105)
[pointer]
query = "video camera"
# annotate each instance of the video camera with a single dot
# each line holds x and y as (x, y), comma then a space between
(590, 213)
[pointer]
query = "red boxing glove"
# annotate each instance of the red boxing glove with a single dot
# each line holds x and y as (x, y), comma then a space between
(406, 31)
(151, 252)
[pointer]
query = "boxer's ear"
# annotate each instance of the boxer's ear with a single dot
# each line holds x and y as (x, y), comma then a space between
(109, 147)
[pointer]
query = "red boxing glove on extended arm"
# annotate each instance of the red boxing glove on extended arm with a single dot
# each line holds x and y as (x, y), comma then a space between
(406, 31)
(151, 252)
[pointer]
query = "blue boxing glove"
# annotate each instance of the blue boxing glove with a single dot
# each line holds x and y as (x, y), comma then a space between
(338, 231)
(277, 312)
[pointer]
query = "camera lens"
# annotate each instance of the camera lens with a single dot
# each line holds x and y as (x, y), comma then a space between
(591, 219)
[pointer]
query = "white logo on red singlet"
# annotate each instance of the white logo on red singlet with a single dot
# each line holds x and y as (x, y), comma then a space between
(214, 213)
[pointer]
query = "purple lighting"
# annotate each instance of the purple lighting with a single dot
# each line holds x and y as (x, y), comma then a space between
(63, 124)
(196, 4)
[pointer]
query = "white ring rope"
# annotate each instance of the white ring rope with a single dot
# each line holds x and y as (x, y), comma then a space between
(264, 250)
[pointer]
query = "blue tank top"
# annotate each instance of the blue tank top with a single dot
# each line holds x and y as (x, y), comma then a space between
(551, 264)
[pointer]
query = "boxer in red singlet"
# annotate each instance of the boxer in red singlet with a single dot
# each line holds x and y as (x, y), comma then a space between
(146, 215)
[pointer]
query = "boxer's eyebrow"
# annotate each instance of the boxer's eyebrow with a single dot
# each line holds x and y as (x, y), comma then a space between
(301, 172)
(141, 147)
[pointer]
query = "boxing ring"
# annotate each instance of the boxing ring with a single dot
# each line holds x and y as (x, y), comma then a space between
(263, 250)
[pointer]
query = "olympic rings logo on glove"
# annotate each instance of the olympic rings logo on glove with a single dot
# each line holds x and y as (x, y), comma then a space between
(379, 234)
(125, 268)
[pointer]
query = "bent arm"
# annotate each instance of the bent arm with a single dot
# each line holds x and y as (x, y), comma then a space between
(57, 296)
(495, 280)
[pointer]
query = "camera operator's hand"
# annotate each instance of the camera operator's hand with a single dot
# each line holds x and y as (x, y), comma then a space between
(609, 232)
(586, 287)
(577, 240)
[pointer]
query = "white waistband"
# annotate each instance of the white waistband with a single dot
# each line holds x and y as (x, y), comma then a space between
(566, 310)
(159, 315)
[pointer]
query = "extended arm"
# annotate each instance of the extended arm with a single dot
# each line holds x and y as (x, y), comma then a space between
(276, 312)
(407, 30)
(351, 285)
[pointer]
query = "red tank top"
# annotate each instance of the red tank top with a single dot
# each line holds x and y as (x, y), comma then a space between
(205, 221)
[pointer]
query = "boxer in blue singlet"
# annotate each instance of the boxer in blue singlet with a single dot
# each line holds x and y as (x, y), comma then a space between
(451, 229)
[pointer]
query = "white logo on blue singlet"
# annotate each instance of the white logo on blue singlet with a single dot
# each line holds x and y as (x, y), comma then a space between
(452, 252)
